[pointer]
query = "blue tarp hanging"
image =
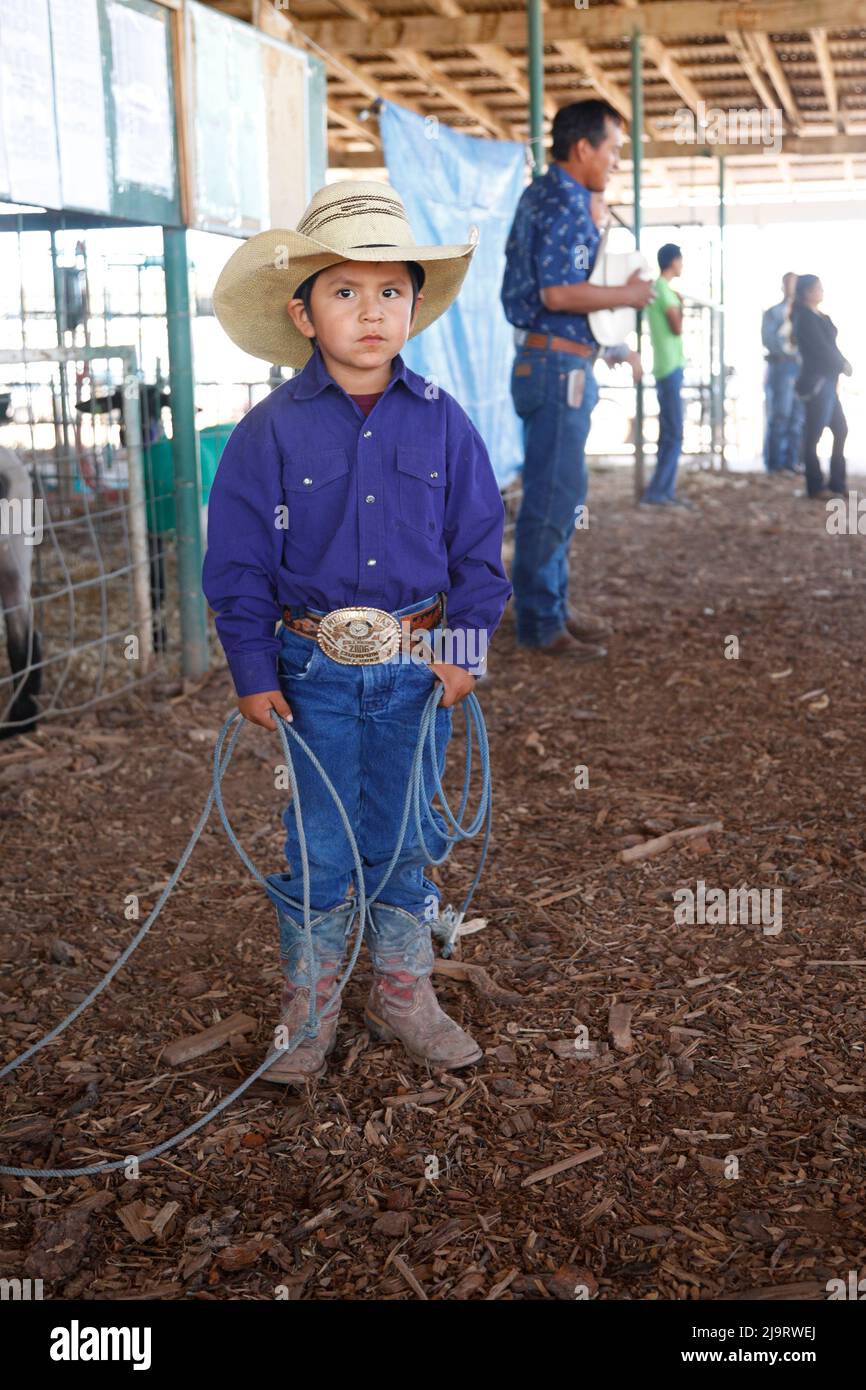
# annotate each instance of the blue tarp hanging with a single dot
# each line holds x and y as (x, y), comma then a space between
(448, 181)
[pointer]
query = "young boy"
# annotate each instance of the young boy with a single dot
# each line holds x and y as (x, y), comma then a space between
(354, 485)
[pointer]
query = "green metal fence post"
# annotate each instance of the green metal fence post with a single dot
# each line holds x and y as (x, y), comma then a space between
(535, 44)
(187, 473)
(636, 159)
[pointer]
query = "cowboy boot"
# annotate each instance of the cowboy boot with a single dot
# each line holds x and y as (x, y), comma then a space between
(308, 1061)
(402, 1002)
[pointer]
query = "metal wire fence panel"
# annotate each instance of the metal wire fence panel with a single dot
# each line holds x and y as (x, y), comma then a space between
(81, 608)
(88, 565)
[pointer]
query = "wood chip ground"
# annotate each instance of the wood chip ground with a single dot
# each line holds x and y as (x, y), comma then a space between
(663, 1111)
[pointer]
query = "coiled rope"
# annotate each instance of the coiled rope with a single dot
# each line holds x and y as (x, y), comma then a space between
(417, 804)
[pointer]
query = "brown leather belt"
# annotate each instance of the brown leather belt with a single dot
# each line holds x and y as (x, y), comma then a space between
(549, 340)
(307, 624)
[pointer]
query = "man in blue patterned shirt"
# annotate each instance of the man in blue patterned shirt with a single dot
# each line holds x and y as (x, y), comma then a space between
(549, 256)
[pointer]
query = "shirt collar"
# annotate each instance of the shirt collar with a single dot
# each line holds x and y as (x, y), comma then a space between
(569, 182)
(315, 377)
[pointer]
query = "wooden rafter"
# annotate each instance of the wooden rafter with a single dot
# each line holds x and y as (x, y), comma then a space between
(752, 70)
(366, 130)
(665, 19)
(764, 52)
(810, 146)
(828, 76)
(436, 77)
(432, 74)
(395, 57)
(670, 69)
(580, 57)
(495, 57)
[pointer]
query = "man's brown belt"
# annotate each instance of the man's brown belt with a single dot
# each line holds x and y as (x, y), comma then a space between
(549, 340)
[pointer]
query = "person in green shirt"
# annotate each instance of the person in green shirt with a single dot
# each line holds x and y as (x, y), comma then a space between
(665, 316)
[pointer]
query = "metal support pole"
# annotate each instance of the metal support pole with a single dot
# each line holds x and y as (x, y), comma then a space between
(535, 45)
(64, 463)
(722, 458)
(636, 160)
(185, 456)
(138, 547)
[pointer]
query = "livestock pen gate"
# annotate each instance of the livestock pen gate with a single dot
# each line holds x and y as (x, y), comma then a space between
(119, 222)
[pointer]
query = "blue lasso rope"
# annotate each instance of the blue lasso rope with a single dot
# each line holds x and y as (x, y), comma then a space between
(415, 803)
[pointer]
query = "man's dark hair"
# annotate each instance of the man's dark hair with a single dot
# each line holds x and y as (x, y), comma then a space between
(582, 120)
(305, 290)
(668, 254)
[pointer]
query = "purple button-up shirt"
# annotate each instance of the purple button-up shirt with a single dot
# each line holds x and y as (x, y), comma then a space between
(315, 505)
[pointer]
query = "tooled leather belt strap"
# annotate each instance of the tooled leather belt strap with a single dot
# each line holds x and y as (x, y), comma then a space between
(307, 624)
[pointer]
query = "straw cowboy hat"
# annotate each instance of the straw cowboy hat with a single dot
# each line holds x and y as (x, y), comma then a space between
(346, 221)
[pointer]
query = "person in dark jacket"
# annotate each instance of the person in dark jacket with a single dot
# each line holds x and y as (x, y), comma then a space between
(815, 336)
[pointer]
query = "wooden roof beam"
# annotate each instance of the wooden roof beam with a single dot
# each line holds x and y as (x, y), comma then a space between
(765, 53)
(750, 66)
(429, 72)
(438, 79)
(791, 145)
(579, 56)
(664, 19)
(669, 68)
(366, 130)
(828, 76)
(491, 55)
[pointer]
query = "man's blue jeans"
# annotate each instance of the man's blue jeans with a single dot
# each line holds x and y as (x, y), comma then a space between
(554, 485)
(664, 480)
(362, 724)
(785, 416)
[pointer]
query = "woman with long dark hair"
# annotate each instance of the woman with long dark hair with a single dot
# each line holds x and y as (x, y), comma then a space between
(815, 335)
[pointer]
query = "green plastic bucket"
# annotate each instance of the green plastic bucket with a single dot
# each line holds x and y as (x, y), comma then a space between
(159, 474)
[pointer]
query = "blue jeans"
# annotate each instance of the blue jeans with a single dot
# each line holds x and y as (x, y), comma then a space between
(554, 485)
(362, 724)
(785, 417)
(824, 408)
(664, 480)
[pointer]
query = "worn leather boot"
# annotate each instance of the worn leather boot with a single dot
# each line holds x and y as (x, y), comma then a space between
(308, 1061)
(563, 644)
(402, 1003)
(330, 931)
(586, 627)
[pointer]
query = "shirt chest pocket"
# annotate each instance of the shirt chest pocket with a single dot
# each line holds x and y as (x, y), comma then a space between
(315, 489)
(421, 485)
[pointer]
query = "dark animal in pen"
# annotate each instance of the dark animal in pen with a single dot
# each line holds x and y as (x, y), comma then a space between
(152, 401)
(152, 398)
(22, 640)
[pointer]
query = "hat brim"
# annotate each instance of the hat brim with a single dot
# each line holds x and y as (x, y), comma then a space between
(255, 285)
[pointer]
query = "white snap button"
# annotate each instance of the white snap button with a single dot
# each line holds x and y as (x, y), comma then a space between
(371, 562)
(307, 482)
(371, 498)
(367, 433)
(434, 475)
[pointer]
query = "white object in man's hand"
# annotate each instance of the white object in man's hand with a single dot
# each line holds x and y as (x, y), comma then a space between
(638, 291)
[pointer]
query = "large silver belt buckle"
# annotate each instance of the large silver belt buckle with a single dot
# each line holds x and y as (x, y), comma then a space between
(359, 636)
